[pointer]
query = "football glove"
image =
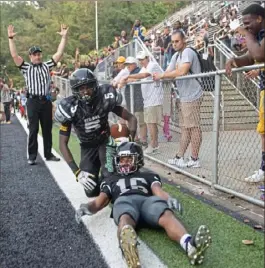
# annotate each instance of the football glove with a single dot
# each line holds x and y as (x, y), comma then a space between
(83, 210)
(87, 180)
(173, 203)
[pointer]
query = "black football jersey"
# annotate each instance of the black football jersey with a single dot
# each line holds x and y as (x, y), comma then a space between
(90, 120)
(136, 183)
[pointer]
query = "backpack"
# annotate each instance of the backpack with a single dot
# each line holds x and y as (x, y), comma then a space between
(207, 83)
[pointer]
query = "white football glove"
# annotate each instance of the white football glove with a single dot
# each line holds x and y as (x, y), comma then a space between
(83, 210)
(86, 179)
(173, 203)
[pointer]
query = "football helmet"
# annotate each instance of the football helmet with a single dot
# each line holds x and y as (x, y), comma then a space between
(83, 77)
(129, 158)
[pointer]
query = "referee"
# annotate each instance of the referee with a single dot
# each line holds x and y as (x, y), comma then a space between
(39, 106)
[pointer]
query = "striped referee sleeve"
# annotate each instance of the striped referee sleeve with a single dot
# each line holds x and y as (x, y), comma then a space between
(50, 63)
(24, 67)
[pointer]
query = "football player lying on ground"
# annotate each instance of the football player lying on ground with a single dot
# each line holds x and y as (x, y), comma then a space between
(87, 111)
(138, 197)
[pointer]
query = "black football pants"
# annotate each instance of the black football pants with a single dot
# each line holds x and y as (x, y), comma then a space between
(7, 110)
(39, 111)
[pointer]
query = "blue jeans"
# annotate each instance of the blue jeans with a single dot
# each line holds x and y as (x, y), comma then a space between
(167, 59)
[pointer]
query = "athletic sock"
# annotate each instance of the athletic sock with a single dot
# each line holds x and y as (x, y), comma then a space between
(185, 242)
(262, 167)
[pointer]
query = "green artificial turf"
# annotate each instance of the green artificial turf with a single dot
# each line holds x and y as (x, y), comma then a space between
(226, 250)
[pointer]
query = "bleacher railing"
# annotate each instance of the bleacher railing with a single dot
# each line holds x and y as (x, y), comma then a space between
(226, 157)
(248, 88)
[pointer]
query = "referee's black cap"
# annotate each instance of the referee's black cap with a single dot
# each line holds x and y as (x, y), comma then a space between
(34, 49)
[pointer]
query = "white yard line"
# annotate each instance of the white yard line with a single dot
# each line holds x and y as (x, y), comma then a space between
(100, 226)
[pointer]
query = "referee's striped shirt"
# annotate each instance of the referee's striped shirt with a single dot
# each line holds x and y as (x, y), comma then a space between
(37, 77)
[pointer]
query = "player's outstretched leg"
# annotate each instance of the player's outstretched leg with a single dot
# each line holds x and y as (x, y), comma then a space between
(128, 242)
(194, 246)
(197, 245)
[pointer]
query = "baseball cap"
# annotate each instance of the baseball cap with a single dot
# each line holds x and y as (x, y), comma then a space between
(120, 59)
(141, 55)
(34, 49)
(130, 60)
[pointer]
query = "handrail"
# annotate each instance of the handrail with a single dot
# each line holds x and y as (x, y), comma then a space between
(208, 74)
(176, 16)
(230, 54)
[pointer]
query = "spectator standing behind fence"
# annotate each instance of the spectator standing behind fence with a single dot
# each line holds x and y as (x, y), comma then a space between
(39, 106)
(167, 47)
(6, 100)
(138, 30)
(153, 99)
(190, 92)
(254, 32)
(138, 108)
(124, 39)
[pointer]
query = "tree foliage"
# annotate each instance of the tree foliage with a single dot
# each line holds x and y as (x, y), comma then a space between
(39, 26)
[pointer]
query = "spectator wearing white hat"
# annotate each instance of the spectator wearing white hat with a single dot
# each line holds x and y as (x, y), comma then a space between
(152, 97)
(138, 105)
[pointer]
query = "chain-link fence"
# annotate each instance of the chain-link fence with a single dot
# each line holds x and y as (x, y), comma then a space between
(104, 70)
(230, 148)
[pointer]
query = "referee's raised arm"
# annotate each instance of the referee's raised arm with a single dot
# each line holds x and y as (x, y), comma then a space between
(58, 55)
(11, 34)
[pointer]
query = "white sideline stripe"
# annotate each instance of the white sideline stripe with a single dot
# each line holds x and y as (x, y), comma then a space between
(101, 227)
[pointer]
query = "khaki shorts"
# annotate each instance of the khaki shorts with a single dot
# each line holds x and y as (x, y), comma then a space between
(153, 114)
(140, 118)
(261, 124)
(2, 109)
(189, 114)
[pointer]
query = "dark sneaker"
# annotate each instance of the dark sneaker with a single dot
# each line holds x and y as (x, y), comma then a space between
(31, 162)
(200, 242)
(128, 244)
(53, 158)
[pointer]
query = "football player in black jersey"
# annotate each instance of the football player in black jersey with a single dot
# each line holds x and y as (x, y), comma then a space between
(138, 197)
(87, 111)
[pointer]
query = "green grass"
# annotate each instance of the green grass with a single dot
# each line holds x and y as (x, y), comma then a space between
(227, 249)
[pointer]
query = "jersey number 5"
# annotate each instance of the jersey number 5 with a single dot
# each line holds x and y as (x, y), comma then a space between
(109, 96)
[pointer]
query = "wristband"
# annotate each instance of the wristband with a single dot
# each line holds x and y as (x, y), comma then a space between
(74, 167)
(10, 37)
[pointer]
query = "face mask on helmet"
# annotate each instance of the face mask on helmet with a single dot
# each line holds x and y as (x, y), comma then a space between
(84, 84)
(126, 163)
(87, 91)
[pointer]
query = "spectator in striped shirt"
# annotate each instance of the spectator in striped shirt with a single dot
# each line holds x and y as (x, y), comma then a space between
(39, 106)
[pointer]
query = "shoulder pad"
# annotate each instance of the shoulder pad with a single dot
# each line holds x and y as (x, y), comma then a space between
(66, 109)
(111, 95)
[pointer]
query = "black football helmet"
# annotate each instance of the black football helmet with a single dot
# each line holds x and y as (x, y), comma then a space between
(82, 77)
(129, 149)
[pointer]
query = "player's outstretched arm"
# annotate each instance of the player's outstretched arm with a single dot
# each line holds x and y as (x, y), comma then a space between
(92, 207)
(126, 115)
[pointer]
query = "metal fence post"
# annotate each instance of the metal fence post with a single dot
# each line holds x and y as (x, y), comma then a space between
(222, 61)
(238, 80)
(131, 99)
(216, 118)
